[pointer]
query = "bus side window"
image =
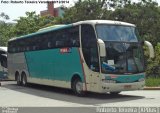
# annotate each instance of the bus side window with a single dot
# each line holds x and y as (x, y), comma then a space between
(59, 43)
(49, 45)
(74, 36)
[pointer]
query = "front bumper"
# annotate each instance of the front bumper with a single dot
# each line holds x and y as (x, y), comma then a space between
(117, 87)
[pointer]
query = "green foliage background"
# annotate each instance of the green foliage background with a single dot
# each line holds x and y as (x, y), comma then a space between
(145, 14)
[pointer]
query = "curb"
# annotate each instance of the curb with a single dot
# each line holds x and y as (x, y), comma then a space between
(151, 88)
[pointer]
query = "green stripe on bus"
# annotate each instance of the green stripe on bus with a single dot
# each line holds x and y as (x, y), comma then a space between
(54, 65)
(126, 78)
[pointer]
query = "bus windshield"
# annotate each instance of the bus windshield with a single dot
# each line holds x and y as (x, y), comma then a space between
(123, 52)
(116, 33)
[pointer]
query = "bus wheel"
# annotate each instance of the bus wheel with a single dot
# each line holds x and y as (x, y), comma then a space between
(24, 79)
(114, 93)
(18, 79)
(78, 87)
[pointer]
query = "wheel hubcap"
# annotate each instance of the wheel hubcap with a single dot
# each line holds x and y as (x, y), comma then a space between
(24, 81)
(79, 87)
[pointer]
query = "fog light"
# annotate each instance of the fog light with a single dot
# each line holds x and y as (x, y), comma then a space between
(141, 79)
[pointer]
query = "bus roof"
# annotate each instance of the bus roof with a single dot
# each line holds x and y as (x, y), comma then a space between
(50, 27)
(57, 27)
(111, 22)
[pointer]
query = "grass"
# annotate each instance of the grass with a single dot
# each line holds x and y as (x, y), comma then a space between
(152, 82)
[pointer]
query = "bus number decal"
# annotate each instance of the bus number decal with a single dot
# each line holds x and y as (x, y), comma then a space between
(65, 50)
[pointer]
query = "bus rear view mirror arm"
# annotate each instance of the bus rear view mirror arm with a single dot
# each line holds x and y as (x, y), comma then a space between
(150, 47)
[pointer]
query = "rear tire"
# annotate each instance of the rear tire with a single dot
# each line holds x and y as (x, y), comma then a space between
(24, 79)
(18, 79)
(78, 87)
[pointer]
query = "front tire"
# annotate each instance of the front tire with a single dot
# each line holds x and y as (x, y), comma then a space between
(78, 87)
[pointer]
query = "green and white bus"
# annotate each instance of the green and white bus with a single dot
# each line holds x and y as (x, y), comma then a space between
(100, 56)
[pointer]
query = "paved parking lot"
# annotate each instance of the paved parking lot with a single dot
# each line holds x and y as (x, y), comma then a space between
(45, 96)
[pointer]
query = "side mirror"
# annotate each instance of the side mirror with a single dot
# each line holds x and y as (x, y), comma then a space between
(102, 48)
(150, 47)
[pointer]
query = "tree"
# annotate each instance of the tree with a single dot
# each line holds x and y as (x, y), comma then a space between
(28, 24)
(31, 23)
(86, 10)
(3, 15)
(5, 30)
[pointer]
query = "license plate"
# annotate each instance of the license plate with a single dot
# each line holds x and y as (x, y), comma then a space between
(127, 86)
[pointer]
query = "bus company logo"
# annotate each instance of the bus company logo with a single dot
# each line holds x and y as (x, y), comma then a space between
(65, 50)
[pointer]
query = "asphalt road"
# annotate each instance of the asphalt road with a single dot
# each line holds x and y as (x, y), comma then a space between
(35, 96)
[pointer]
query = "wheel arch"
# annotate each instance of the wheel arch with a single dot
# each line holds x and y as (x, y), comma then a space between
(24, 72)
(74, 77)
